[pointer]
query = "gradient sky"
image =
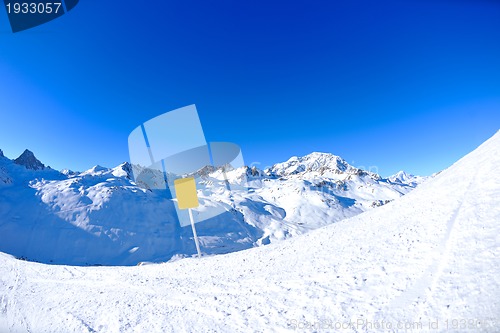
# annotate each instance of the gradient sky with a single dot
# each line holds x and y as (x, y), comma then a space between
(387, 85)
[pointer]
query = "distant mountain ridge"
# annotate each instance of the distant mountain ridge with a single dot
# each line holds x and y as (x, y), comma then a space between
(100, 216)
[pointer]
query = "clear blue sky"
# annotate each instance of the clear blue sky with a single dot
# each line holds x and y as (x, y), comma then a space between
(410, 85)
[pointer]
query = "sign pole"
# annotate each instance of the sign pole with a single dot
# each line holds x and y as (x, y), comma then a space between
(187, 198)
(194, 233)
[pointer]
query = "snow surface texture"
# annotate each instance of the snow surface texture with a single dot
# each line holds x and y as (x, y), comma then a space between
(427, 261)
(100, 216)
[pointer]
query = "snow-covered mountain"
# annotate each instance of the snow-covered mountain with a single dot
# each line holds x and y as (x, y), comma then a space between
(317, 163)
(100, 216)
(427, 262)
(402, 177)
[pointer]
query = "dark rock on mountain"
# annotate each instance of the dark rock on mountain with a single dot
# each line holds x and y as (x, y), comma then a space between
(28, 160)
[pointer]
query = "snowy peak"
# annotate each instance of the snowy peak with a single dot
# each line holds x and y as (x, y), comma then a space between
(404, 178)
(96, 170)
(29, 161)
(68, 172)
(123, 170)
(253, 172)
(314, 162)
(400, 177)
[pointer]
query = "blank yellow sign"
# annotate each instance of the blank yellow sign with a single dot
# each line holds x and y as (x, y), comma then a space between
(185, 188)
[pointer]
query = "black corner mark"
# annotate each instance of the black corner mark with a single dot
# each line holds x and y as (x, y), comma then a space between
(26, 14)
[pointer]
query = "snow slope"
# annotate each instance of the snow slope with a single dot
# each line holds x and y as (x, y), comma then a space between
(101, 216)
(428, 262)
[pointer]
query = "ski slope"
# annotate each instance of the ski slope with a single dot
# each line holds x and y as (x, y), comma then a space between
(428, 261)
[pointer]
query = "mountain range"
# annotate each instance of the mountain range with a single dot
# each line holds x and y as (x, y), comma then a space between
(101, 217)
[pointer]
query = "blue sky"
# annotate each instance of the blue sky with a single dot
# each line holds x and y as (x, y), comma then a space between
(387, 85)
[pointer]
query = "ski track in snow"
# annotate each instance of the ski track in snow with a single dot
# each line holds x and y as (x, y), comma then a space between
(423, 289)
(444, 251)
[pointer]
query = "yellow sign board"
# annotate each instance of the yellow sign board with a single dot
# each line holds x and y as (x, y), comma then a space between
(185, 189)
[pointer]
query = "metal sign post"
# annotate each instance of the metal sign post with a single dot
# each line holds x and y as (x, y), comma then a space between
(187, 198)
(194, 233)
